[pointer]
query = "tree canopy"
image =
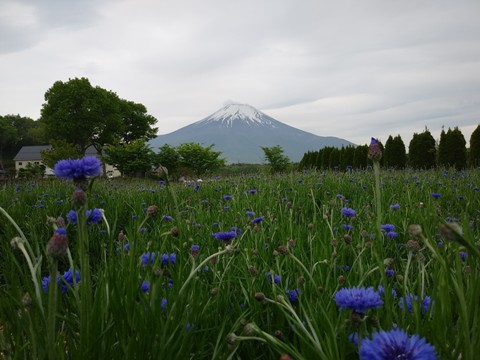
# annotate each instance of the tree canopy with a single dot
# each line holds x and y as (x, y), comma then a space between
(198, 158)
(474, 158)
(83, 115)
(395, 155)
(452, 151)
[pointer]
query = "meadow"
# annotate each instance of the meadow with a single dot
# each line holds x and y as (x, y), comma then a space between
(306, 265)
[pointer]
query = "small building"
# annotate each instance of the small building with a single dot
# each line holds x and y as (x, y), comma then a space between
(32, 155)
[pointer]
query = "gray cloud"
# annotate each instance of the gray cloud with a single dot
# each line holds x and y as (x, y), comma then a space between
(351, 69)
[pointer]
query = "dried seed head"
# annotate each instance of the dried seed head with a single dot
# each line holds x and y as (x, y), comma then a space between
(414, 230)
(152, 210)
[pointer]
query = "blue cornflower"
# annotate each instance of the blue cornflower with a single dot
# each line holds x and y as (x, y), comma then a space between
(387, 227)
(196, 188)
(436, 195)
(72, 216)
(250, 213)
(227, 197)
(163, 304)
(396, 344)
(463, 255)
(292, 295)
(145, 286)
(409, 300)
(395, 206)
(65, 281)
(348, 212)
(353, 338)
(347, 227)
(358, 299)
(173, 258)
(167, 218)
(253, 191)
(392, 235)
(275, 278)
(194, 250)
(78, 168)
(258, 220)
(147, 258)
(225, 235)
(94, 216)
(389, 272)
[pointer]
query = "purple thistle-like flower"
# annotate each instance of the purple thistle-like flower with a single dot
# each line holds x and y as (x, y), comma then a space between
(358, 299)
(348, 212)
(396, 344)
(224, 235)
(78, 168)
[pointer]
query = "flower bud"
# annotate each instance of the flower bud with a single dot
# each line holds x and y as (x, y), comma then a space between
(57, 245)
(79, 198)
(374, 151)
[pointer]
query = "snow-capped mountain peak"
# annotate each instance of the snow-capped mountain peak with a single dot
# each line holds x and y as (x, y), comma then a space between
(238, 113)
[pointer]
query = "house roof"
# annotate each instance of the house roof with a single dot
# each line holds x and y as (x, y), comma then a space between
(30, 153)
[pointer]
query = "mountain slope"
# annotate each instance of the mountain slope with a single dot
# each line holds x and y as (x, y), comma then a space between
(239, 131)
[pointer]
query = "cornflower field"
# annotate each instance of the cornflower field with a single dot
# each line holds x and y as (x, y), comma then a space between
(307, 265)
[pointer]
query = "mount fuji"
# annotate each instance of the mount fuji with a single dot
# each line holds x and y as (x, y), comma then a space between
(239, 131)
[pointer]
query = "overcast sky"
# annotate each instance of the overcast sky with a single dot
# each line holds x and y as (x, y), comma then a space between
(351, 69)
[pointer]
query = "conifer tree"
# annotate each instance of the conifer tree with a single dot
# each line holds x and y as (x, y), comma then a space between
(474, 158)
(452, 151)
(422, 151)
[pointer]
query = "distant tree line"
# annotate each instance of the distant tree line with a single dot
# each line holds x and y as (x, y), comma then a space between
(423, 153)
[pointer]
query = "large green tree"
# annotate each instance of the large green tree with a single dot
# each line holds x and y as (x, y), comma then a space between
(452, 151)
(199, 159)
(422, 152)
(474, 156)
(395, 155)
(275, 158)
(83, 115)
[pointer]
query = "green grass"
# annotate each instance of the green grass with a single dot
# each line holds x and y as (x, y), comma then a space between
(211, 311)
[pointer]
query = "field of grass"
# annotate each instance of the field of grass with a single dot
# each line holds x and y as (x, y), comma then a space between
(154, 282)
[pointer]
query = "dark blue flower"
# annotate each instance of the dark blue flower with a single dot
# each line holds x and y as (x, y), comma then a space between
(410, 299)
(237, 230)
(292, 295)
(61, 231)
(64, 282)
(348, 212)
(72, 216)
(147, 258)
(275, 278)
(78, 168)
(387, 227)
(358, 299)
(389, 272)
(463, 255)
(94, 216)
(250, 213)
(227, 197)
(145, 286)
(396, 344)
(225, 235)
(163, 304)
(173, 258)
(392, 235)
(395, 206)
(436, 195)
(167, 218)
(253, 191)
(258, 220)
